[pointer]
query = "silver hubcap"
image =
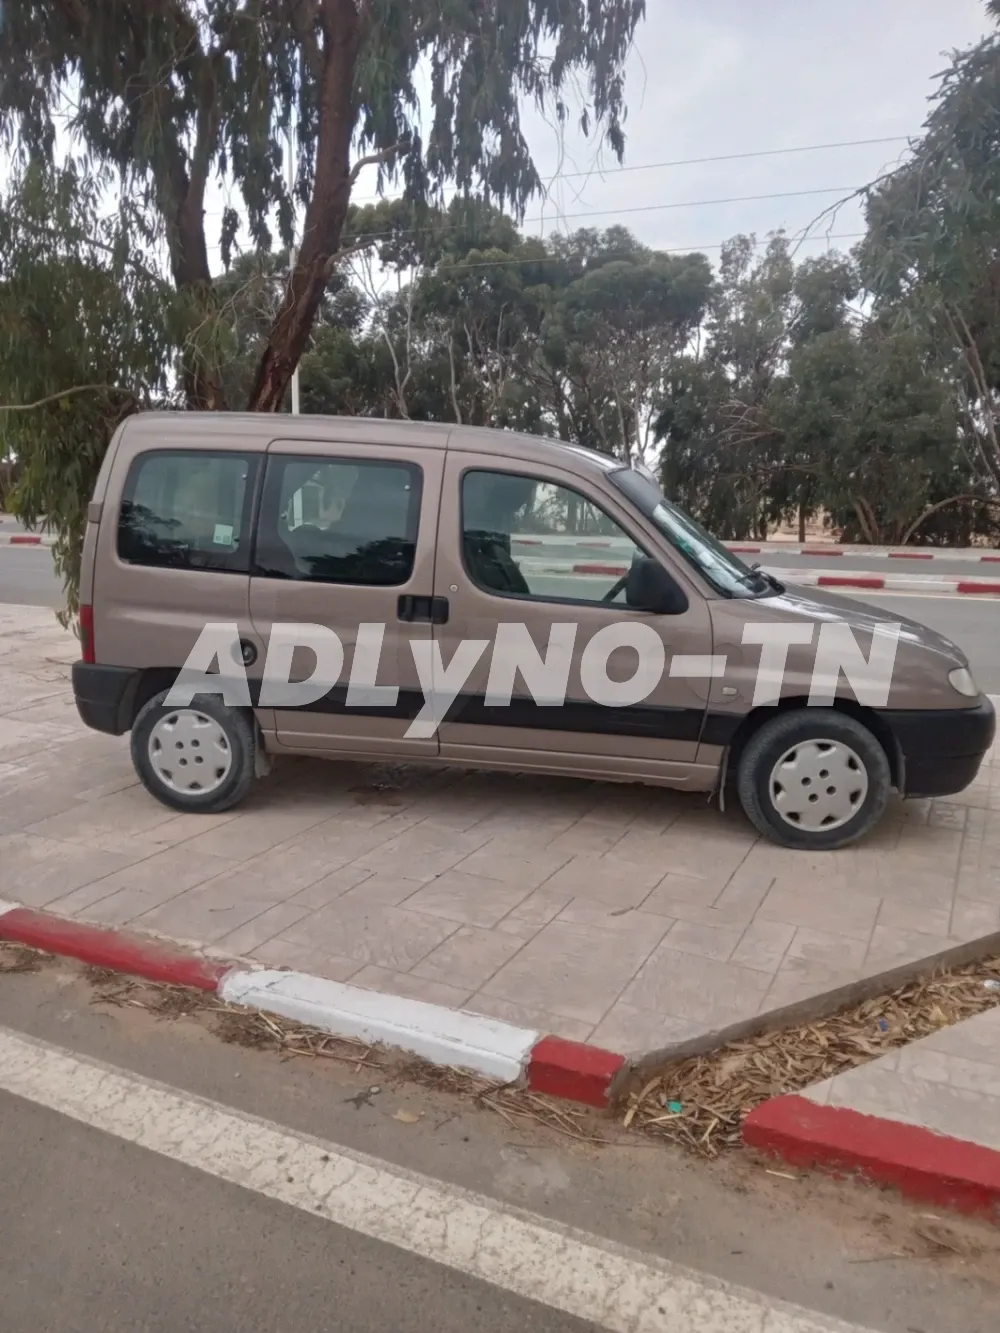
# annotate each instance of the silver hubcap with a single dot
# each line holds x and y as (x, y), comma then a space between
(818, 785)
(189, 752)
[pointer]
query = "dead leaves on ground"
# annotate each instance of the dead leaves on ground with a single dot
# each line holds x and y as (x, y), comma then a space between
(716, 1091)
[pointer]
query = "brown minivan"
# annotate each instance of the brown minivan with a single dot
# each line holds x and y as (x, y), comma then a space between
(495, 600)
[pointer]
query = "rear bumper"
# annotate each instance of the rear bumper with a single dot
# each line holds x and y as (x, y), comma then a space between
(942, 749)
(105, 696)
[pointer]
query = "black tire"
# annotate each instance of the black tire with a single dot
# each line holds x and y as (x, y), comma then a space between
(236, 724)
(774, 740)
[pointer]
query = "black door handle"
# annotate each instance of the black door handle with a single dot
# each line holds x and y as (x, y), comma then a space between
(425, 610)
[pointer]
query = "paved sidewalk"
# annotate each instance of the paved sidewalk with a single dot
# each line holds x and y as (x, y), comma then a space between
(925, 1118)
(626, 916)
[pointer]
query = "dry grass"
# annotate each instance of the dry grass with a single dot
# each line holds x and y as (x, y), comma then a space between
(698, 1103)
(701, 1102)
(17, 958)
(256, 1030)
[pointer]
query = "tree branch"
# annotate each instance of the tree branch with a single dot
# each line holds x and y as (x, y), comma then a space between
(373, 160)
(943, 504)
(64, 393)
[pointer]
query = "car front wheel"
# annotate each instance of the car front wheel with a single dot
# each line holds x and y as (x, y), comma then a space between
(814, 779)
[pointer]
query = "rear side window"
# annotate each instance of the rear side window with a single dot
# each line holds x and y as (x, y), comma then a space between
(339, 520)
(188, 509)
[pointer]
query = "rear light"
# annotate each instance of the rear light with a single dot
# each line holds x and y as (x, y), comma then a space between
(87, 634)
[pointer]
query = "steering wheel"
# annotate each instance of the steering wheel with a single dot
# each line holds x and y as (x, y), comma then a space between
(612, 593)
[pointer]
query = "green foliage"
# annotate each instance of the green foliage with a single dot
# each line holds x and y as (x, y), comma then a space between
(173, 93)
(932, 253)
(84, 340)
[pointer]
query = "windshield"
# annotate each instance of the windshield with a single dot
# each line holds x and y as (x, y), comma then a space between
(725, 571)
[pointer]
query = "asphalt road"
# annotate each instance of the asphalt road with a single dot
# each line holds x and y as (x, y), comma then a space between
(214, 1233)
(27, 578)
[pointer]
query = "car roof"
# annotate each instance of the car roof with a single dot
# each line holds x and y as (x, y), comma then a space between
(180, 428)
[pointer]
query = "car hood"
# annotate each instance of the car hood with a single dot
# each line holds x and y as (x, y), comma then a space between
(819, 604)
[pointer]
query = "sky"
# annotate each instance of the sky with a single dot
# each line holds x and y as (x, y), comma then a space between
(720, 77)
(723, 78)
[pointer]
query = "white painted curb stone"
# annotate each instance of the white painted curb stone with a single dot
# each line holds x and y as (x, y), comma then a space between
(443, 1036)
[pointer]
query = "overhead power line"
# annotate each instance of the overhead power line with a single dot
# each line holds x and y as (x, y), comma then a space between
(462, 265)
(622, 212)
(602, 172)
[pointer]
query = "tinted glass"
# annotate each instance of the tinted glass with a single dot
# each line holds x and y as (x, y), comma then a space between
(528, 537)
(339, 521)
(187, 510)
(725, 571)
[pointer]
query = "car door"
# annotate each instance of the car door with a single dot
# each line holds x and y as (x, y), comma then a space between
(487, 505)
(345, 542)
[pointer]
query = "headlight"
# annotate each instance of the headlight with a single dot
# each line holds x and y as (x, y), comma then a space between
(961, 679)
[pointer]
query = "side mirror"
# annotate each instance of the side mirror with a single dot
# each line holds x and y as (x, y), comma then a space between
(650, 588)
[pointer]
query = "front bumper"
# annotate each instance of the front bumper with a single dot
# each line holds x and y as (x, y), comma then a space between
(105, 696)
(941, 749)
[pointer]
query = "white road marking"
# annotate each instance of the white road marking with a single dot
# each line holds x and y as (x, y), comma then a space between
(530, 1256)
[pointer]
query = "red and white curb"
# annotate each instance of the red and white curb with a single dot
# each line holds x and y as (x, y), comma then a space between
(618, 546)
(805, 578)
(928, 1167)
(26, 539)
(487, 1046)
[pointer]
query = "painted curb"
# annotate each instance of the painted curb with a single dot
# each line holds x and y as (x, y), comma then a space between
(486, 1046)
(930, 1168)
(26, 539)
(442, 1036)
(805, 578)
(112, 949)
(974, 555)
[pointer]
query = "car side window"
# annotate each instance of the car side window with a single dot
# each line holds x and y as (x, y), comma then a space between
(188, 509)
(336, 520)
(523, 536)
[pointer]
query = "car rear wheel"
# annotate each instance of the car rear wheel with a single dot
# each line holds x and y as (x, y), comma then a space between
(197, 758)
(814, 779)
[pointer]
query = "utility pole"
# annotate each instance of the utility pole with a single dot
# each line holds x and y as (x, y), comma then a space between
(293, 252)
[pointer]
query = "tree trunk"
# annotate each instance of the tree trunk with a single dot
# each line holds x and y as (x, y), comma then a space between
(181, 189)
(802, 524)
(325, 213)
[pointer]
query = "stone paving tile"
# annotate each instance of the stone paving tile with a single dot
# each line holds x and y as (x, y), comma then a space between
(686, 986)
(631, 1031)
(797, 903)
(892, 948)
(545, 1021)
(636, 915)
(801, 979)
(469, 958)
(246, 940)
(606, 879)
(948, 1083)
(118, 898)
(509, 862)
(470, 899)
(389, 937)
(763, 945)
(717, 942)
(571, 970)
(37, 871)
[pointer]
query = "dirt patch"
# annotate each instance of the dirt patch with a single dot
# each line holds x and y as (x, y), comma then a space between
(700, 1102)
(16, 958)
(260, 1031)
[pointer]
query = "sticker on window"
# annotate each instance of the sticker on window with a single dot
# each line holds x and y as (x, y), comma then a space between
(223, 534)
